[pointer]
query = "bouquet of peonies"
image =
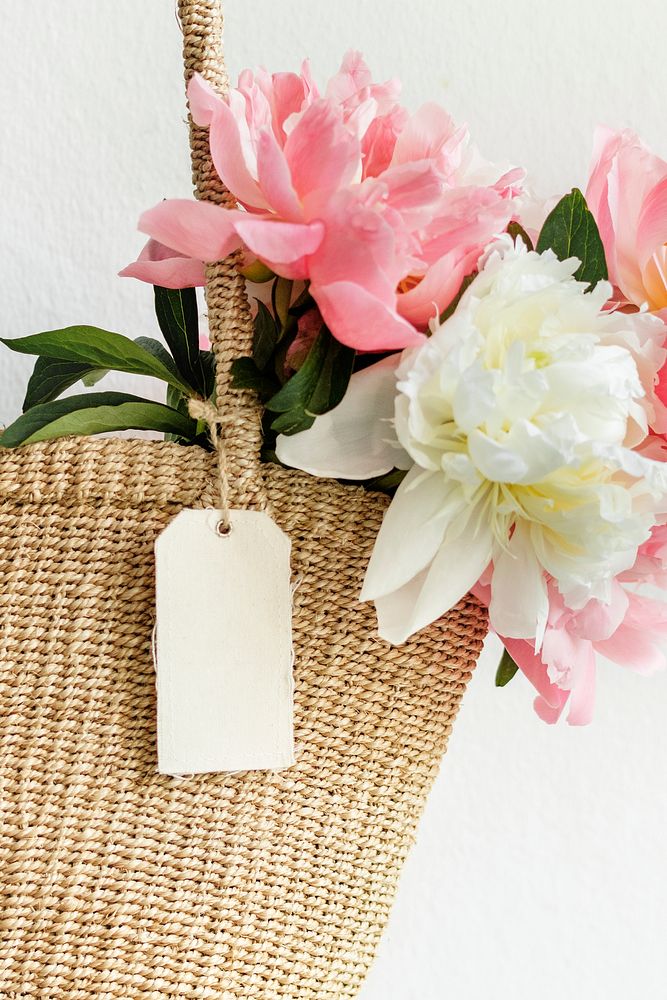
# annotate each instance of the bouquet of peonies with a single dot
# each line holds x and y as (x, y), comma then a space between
(423, 326)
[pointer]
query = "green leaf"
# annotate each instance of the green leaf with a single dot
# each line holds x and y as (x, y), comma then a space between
(334, 377)
(97, 349)
(95, 413)
(571, 231)
(516, 231)
(177, 401)
(317, 387)
(178, 317)
(246, 375)
(292, 422)
(388, 483)
(208, 362)
(267, 333)
(93, 377)
(160, 353)
(281, 295)
(506, 670)
(51, 377)
(451, 308)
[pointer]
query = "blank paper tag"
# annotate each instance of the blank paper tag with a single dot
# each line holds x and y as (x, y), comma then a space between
(223, 644)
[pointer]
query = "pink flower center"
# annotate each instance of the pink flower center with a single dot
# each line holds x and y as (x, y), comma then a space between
(409, 282)
(654, 276)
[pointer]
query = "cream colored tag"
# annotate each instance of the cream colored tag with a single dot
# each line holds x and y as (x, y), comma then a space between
(223, 644)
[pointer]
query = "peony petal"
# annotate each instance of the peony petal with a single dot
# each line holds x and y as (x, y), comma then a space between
(203, 100)
(519, 604)
(323, 156)
(425, 134)
(526, 455)
(546, 712)
(359, 319)
(638, 651)
(359, 120)
(380, 139)
(661, 394)
(275, 180)
(195, 228)
(160, 265)
(412, 531)
(279, 243)
(177, 272)
(582, 696)
(496, 463)
(229, 158)
(436, 290)
(605, 146)
(634, 464)
(365, 243)
(465, 221)
(599, 620)
(654, 277)
(636, 171)
(433, 592)
(413, 190)
(289, 91)
(623, 175)
(645, 613)
(352, 76)
(356, 439)
(652, 225)
(531, 664)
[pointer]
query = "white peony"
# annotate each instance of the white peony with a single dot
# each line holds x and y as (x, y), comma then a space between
(517, 418)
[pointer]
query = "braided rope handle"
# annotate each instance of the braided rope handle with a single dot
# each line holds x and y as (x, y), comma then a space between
(230, 323)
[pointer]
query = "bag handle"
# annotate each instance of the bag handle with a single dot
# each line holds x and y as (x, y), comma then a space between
(239, 426)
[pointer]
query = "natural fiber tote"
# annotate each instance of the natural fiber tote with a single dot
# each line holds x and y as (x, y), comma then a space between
(117, 881)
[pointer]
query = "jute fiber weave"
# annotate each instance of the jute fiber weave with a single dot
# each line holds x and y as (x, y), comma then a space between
(119, 882)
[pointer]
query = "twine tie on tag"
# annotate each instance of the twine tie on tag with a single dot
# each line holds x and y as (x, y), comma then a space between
(203, 409)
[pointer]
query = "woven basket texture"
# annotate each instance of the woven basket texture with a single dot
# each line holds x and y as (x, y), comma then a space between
(116, 881)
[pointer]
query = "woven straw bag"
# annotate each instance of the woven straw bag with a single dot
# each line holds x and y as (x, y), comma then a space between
(117, 881)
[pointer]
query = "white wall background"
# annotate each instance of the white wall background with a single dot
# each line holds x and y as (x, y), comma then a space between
(541, 864)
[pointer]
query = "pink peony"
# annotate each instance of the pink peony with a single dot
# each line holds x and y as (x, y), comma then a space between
(383, 213)
(629, 629)
(160, 265)
(627, 194)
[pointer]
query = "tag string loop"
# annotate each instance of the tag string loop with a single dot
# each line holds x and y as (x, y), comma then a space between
(203, 409)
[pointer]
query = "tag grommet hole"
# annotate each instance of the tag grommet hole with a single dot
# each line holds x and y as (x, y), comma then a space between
(223, 528)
